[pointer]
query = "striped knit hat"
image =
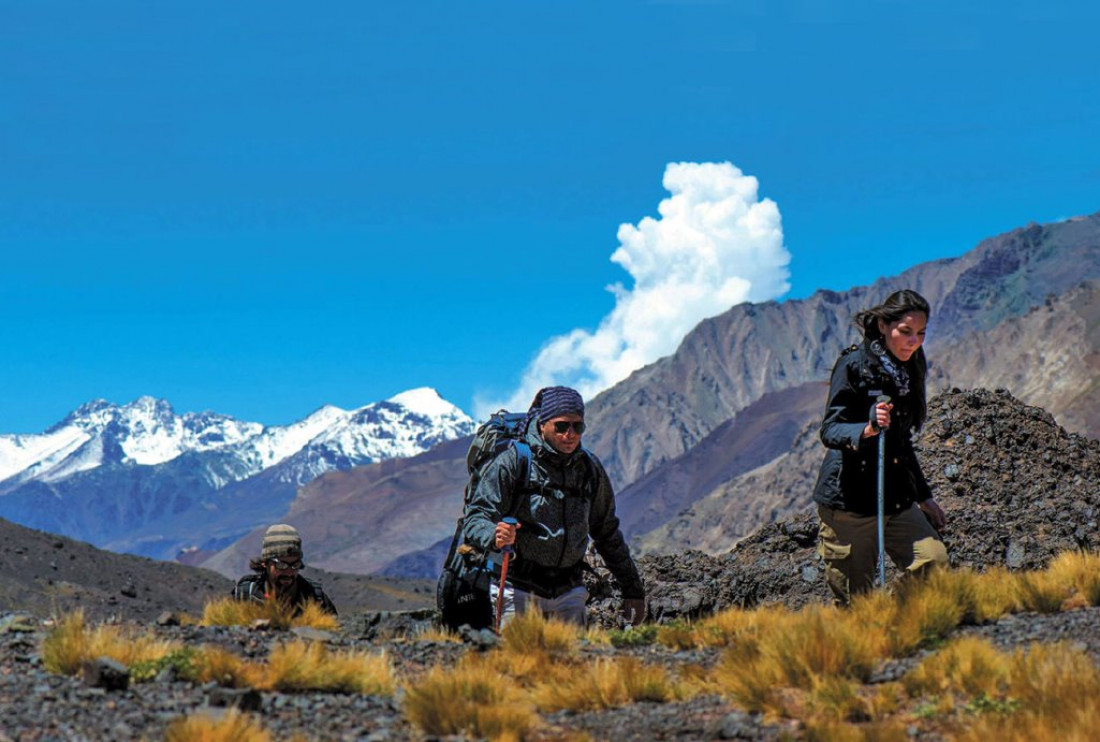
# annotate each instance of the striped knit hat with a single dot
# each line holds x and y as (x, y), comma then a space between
(281, 540)
(554, 401)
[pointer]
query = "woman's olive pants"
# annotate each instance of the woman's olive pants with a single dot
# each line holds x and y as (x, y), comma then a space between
(849, 545)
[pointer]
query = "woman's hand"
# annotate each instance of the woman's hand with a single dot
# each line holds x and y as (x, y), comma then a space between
(934, 512)
(881, 419)
(505, 534)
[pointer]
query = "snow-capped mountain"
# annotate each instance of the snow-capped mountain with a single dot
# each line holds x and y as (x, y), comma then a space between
(146, 432)
(130, 477)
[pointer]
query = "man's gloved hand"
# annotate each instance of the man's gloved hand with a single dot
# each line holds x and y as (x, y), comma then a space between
(633, 610)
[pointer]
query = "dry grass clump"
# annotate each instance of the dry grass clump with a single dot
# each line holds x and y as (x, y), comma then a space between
(606, 684)
(472, 699)
(969, 665)
(798, 650)
(439, 634)
(531, 633)
(679, 635)
(71, 642)
(231, 727)
(1078, 573)
(214, 664)
(927, 610)
(301, 666)
(737, 627)
(1046, 691)
(985, 597)
(232, 612)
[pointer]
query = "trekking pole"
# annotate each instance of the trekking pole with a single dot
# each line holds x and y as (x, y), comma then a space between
(507, 557)
(882, 399)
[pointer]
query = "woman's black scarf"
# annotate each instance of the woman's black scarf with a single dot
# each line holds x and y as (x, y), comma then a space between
(894, 368)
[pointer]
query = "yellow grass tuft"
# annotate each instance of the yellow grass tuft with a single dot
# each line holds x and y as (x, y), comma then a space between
(818, 641)
(532, 633)
(215, 664)
(1057, 690)
(302, 666)
(679, 635)
(928, 609)
(232, 612)
(71, 642)
(737, 627)
(231, 727)
(470, 699)
(314, 617)
(1055, 678)
(439, 634)
(1042, 592)
(969, 665)
(607, 684)
(1079, 572)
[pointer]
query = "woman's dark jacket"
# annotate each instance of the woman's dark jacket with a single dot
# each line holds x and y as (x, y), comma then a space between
(848, 479)
(567, 499)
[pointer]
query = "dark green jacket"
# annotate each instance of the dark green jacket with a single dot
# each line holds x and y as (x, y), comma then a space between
(848, 479)
(567, 500)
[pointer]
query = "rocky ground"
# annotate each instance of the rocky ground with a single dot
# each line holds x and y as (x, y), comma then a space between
(1017, 488)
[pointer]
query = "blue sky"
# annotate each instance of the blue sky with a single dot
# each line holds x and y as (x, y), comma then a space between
(260, 208)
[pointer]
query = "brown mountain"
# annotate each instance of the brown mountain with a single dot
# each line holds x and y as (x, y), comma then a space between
(398, 515)
(756, 435)
(364, 519)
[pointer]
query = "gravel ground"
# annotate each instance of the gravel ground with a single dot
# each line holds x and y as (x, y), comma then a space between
(40, 706)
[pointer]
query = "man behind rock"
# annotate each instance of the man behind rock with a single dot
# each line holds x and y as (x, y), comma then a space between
(566, 499)
(276, 573)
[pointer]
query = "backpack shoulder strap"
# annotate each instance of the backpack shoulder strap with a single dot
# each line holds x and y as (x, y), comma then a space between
(523, 456)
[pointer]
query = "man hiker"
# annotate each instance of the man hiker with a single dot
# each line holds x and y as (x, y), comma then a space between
(566, 500)
(275, 575)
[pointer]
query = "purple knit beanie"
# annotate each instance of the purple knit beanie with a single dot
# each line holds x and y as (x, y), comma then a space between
(554, 401)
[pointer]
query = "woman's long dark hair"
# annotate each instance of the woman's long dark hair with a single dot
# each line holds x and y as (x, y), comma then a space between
(896, 306)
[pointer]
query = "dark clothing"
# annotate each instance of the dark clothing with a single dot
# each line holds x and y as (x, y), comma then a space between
(253, 587)
(567, 499)
(848, 479)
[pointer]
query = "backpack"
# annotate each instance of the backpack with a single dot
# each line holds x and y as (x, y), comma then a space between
(462, 593)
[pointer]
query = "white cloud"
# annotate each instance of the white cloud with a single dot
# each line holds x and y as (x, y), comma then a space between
(715, 244)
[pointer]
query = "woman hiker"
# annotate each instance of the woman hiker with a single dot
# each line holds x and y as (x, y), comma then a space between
(890, 361)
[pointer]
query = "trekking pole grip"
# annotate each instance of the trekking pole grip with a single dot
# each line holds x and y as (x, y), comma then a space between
(511, 522)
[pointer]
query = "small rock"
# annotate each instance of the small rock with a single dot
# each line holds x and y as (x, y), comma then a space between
(168, 618)
(106, 673)
(18, 623)
(129, 590)
(245, 699)
(311, 634)
(260, 624)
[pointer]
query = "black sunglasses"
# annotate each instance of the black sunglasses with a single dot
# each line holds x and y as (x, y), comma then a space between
(562, 426)
(280, 564)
